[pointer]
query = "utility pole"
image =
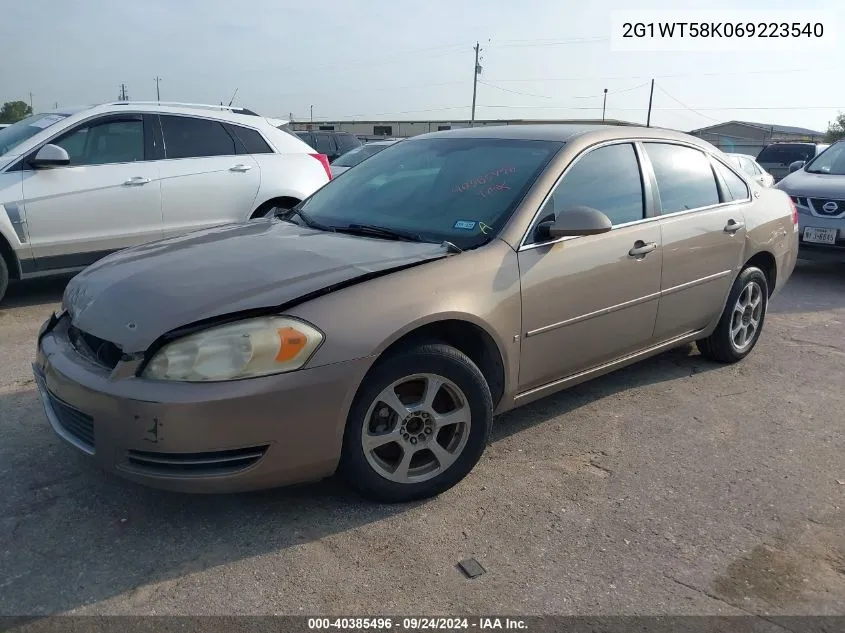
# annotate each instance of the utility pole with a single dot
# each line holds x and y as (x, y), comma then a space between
(158, 94)
(30, 102)
(650, 97)
(603, 105)
(475, 72)
(123, 96)
(312, 114)
(56, 107)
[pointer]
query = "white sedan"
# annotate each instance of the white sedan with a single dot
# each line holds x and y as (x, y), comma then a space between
(750, 166)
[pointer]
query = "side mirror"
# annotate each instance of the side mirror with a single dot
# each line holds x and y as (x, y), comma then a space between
(574, 222)
(798, 164)
(50, 156)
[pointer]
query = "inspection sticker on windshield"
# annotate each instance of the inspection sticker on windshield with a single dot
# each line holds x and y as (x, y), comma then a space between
(465, 225)
(46, 121)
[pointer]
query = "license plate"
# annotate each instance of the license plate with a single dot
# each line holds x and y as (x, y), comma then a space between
(820, 236)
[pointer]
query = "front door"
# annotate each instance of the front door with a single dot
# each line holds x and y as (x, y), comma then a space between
(107, 199)
(204, 180)
(589, 300)
(703, 231)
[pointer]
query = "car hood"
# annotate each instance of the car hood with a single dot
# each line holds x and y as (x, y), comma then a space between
(802, 183)
(135, 296)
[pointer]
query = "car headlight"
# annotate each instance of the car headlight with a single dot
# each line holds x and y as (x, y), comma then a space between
(245, 349)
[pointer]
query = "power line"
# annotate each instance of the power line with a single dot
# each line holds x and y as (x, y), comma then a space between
(524, 94)
(392, 58)
(615, 92)
(676, 100)
(554, 40)
(714, 109)
(541, 44)
(365, 116)
(668, 76)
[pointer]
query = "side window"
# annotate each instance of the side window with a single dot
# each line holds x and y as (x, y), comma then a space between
(186, 137)
(252, 140)
(755, 169)
(105, 143)
(685, 179)
(607, 179)
(736, 186)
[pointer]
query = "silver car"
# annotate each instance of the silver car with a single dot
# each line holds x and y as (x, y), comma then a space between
(752, 168)
(359, 154)
(818, 191)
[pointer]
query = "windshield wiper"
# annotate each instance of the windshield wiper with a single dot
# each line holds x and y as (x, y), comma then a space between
(309, 221)
(380, 231)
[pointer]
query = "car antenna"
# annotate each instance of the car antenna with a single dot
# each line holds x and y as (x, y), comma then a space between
(451, 247)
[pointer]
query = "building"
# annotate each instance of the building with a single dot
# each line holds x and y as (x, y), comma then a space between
(402, 129)
(745, 137)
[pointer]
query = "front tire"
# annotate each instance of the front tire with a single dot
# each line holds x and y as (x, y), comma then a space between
(418, 425)
(742, 320)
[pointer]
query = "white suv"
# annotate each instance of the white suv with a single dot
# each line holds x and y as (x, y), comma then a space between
(78, 184)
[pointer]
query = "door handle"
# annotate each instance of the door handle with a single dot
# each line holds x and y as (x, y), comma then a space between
(641, 249)
(240, 167)
(137, 180)
(733, 226)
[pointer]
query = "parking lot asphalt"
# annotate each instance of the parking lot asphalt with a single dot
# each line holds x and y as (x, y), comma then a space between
(676, 486)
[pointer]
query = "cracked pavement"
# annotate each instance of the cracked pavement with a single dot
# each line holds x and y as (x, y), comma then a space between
(675, 486)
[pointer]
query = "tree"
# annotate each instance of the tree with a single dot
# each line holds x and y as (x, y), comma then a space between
(14, 111)
(836, 130)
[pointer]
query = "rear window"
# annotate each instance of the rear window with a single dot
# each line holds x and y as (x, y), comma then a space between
(253, 142)
(346, 142)
(786, 153)
(323, 144)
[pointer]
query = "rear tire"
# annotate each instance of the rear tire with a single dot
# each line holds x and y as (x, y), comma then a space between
(418, 425)
(742, 320)
(4, 277)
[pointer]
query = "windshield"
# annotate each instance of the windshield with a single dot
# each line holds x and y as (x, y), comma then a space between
(786, 153)
(462, 190)
(355, 156)
(831, 161)
(14, 135)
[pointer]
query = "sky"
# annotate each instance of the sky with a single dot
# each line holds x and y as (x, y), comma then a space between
(405, 60)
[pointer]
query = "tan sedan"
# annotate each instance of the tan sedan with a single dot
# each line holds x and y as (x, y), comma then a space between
(377, 328)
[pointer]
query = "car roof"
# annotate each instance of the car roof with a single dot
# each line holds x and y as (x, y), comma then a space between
(568, 132)
(225, 113)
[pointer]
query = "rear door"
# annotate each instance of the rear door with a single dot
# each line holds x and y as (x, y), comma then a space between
(206, 179)
(108, 198)
(702, 206)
